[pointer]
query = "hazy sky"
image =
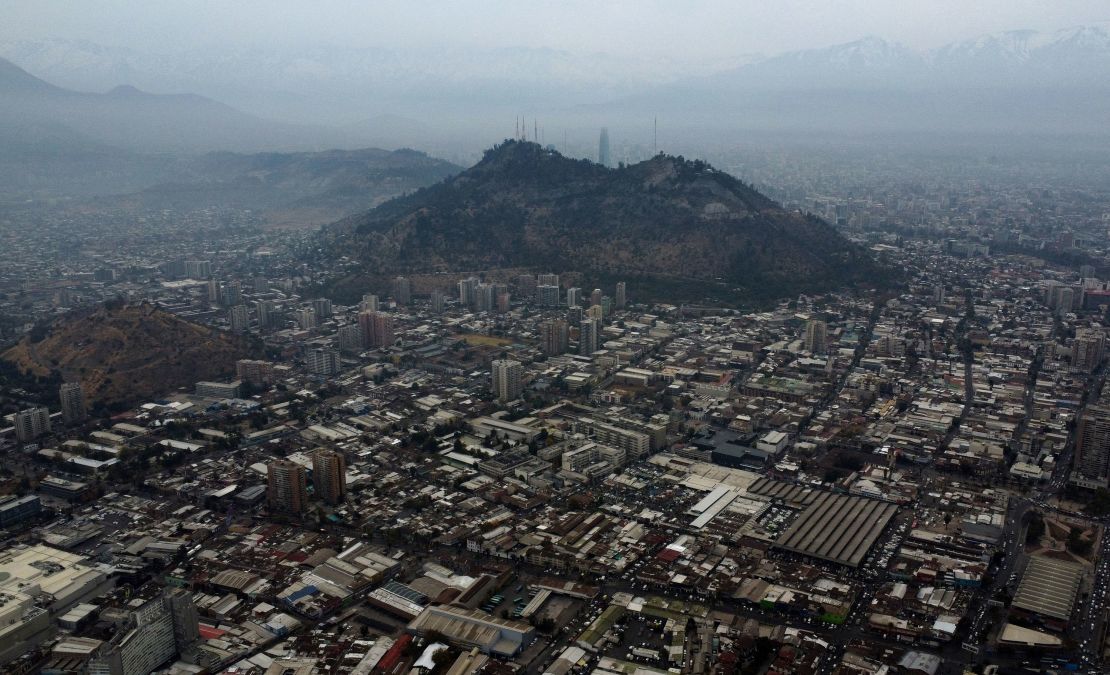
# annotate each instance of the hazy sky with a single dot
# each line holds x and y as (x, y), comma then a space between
(674, 29)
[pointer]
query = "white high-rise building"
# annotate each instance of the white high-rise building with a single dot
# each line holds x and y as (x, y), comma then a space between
(574, 297)
(239, 318)
(589, 336)
(322, 361)
(31, 423)
(306, 318)
(622, 295)
(507, 376)
(603, 156)
(547, 295)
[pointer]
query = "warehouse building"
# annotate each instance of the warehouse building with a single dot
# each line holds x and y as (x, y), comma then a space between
(837, 528)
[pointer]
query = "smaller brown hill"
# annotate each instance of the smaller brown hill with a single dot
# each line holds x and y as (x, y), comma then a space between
(123, 354)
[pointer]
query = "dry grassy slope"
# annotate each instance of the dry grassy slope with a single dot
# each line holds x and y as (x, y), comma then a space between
(127, 354)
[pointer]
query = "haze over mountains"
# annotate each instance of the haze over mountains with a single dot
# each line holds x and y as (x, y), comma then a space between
(1023, 80)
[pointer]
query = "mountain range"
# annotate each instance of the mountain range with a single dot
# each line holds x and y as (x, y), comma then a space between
(310, 187)
(128, 118)
(1015, 80)
(673, 228)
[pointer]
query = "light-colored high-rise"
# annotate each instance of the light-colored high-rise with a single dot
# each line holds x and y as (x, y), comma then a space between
(574, 297)
(306, 318)
(239, 318)
(437, 301)
(507, 379)
(322, 361)
(72, 398)
(589, 336)
(622, 295)
(815, 340)
(468, 292)
(547, 295)
(31, 423)
(329, 475)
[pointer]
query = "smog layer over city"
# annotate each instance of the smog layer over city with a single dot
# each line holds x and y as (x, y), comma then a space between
(554, 338)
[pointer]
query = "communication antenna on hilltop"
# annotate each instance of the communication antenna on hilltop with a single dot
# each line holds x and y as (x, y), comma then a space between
(535, 130)
(655, 142)
(516, 134)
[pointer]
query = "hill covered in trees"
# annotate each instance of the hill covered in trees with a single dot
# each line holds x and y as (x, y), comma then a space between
(676, 229)
(123, 354)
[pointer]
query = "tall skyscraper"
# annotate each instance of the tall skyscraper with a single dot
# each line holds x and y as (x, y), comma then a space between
(526, 286)
(231, 294)
(507, 376)
(377, 329)
(213, 290)
(146, 641)
(369, 303)
(329, 475)
(402, 290)
(622, 295)
(349, 338)
(322, 307)
(485, 299)
(816, 335)
(254, 371)
(589, 336)
(265, 311)
(72, 397)
(437, 301)
(595, 297)
(1092, 444)
(574, 297)
(306, 318)
(504, 301)
(239, 318)
(285, 486)
(603, 157)
(547, 280)
(596, 312)
(554, 336)
(198, 269)
(547, 296)
(31, 423)
(322, 361)
(1088, 349)
(468, 292)
(183, 612)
